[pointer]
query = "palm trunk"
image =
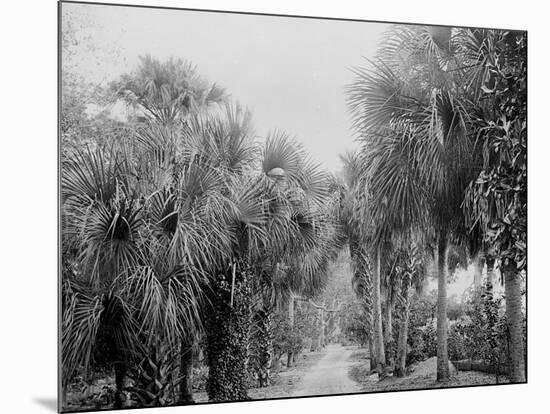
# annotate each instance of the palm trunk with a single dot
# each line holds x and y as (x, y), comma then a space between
(388, 334)
(514, 319)
(264, 346)
(227, 335)
(442, 354)
(151, 379)
(321, 327)
(372, 354)
(402, 341)
(186, 373)
(291, 311)
(120, 373)
(377, 320)
(319, 339)
(388, 331)
(290, 354)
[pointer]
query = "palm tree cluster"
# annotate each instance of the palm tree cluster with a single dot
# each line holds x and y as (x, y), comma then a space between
(387, 286)
(185, 227)
(440, 114)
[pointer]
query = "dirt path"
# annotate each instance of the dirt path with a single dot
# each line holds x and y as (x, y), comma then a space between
(329, 375)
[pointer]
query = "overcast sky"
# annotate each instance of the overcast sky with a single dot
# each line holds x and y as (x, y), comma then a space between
(290, 72)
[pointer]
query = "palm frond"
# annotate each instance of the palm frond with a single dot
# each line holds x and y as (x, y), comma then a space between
(281, 157)
(97, 329)
(223, 140)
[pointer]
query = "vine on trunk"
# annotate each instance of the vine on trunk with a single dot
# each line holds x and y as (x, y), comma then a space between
(227, 332)
(261, 346)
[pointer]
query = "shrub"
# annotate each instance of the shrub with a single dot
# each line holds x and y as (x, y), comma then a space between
(482, 334)
(456, 344)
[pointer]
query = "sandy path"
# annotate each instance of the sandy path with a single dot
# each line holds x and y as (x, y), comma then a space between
(329, 375)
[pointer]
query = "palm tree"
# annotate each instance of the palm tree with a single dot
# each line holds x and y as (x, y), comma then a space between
(360, 228)
(103, 219)
(362, 286)
(391, 282)
(299, 273)
(313, 247)
(188, 218)
(409, 274)
(417, 146)
(167, 91)
(223, 143)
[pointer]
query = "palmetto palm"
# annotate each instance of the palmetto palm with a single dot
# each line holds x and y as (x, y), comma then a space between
(103, 216)
(194, 214)
(411, 111)
(366, 246)
(313, 248)
(189, 237)
(167, 91)
(165, 94)
(362, 286)
(224, 142)
(408, 273)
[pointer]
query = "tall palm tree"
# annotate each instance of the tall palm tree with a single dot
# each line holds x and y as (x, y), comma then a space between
(312, 249)
(224, 143)
(188, 225)
(361, 230)
(391, 282)
(409, 114)
(362, 286)
(409, 270)
(167, 93)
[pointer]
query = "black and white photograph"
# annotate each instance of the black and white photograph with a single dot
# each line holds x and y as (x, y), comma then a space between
(256, 206)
